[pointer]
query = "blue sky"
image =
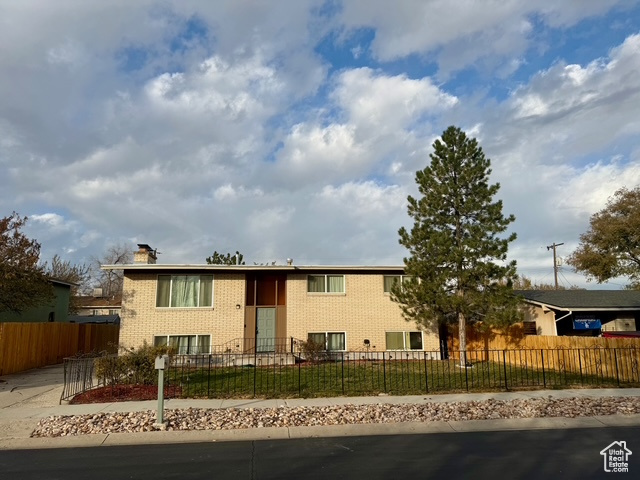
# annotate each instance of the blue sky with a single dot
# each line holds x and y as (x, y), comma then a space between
(293, 129)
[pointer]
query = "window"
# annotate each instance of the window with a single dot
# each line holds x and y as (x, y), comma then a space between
(184, 291)
(390, 280)
(325, 284)
(185, 344)
(113, 311)
(404, 340)
(529, 328)
(332, 341)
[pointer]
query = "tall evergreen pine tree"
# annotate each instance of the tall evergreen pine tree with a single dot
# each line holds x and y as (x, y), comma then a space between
(457, 262)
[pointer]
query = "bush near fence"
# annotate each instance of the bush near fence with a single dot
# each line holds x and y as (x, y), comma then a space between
(32, 345)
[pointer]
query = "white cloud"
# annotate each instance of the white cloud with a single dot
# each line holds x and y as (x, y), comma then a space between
(381, 118)
(462, 34)
(51, 220)
(366, 200)
(388, 103)
(197, 126)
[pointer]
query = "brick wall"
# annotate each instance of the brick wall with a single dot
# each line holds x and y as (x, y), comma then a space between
(141, 320)
(364, 311)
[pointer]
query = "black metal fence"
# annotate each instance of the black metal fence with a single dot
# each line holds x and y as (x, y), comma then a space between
(79, 376)
(293, 373)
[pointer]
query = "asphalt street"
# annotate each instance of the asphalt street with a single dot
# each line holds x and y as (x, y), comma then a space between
(523, 454)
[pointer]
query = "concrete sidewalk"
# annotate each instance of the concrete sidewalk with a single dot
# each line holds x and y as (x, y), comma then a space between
(28, 397)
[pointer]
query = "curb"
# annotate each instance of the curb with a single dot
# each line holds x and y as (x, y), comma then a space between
(21, 440)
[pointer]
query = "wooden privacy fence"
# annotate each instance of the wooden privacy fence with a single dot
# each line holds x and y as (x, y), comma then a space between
(608, 357)
(31, 345)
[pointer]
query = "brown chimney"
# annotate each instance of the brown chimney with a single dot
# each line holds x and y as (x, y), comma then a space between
(145, 254)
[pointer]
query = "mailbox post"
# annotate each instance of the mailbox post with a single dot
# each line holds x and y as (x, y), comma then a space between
(162, 362)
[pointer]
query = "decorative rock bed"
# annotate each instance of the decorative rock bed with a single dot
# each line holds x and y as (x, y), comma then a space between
(238, 418)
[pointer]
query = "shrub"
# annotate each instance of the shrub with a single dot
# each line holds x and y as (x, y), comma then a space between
(133, 366)
(313, 352)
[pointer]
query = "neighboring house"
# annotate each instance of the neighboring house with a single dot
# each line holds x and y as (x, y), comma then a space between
(580, 312)
(206, 308)
(98, 305)
(57, 310)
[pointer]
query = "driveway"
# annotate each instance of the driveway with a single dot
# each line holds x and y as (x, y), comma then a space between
(37, 388)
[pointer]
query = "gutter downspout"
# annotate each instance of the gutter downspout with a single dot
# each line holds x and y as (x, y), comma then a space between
(558, 319)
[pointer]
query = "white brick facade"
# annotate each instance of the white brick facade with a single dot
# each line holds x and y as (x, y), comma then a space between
(362, 312)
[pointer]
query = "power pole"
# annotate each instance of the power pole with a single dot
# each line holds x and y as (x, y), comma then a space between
(555, 263)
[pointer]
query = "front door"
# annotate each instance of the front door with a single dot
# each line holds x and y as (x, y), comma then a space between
(266, 330)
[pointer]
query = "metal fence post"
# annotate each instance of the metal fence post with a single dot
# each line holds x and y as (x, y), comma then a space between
(342, 354)
(580, 365)
(544, 379)
(209, 378)
(426, 375)
(504, 364)
(384, 371)
(255, 372)
(466, 374)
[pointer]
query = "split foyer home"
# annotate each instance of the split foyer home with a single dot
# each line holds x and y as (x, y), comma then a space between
(224, 308)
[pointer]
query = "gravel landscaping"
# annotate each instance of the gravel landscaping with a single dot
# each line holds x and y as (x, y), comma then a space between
(238, 418)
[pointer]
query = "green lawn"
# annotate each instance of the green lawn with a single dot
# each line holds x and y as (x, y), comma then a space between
(359, 378)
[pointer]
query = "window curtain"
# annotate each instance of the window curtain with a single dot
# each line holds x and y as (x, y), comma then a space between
(204, 342)
(315, 283)
(164, 287)
(336, 283)
(335, 341)
(183, 344)
(184, 290)
(206, 291)
(390, 281)
(394, 340)
(318, 338)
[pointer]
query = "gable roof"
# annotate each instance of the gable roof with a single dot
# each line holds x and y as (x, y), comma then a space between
(584, 299)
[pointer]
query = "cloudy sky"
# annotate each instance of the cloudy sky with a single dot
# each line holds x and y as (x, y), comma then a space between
(295, 128)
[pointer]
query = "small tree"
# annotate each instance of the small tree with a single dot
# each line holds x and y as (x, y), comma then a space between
(457, 262)
(611, 246)
(228, 259)
(23, 282)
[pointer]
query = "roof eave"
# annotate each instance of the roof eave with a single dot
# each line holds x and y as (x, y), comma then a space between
(550, 306)
(253, 268)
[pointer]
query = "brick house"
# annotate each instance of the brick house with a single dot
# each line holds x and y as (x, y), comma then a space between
(216, 308)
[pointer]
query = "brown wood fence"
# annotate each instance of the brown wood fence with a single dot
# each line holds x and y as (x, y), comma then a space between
(596, 356)
(31, 345)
